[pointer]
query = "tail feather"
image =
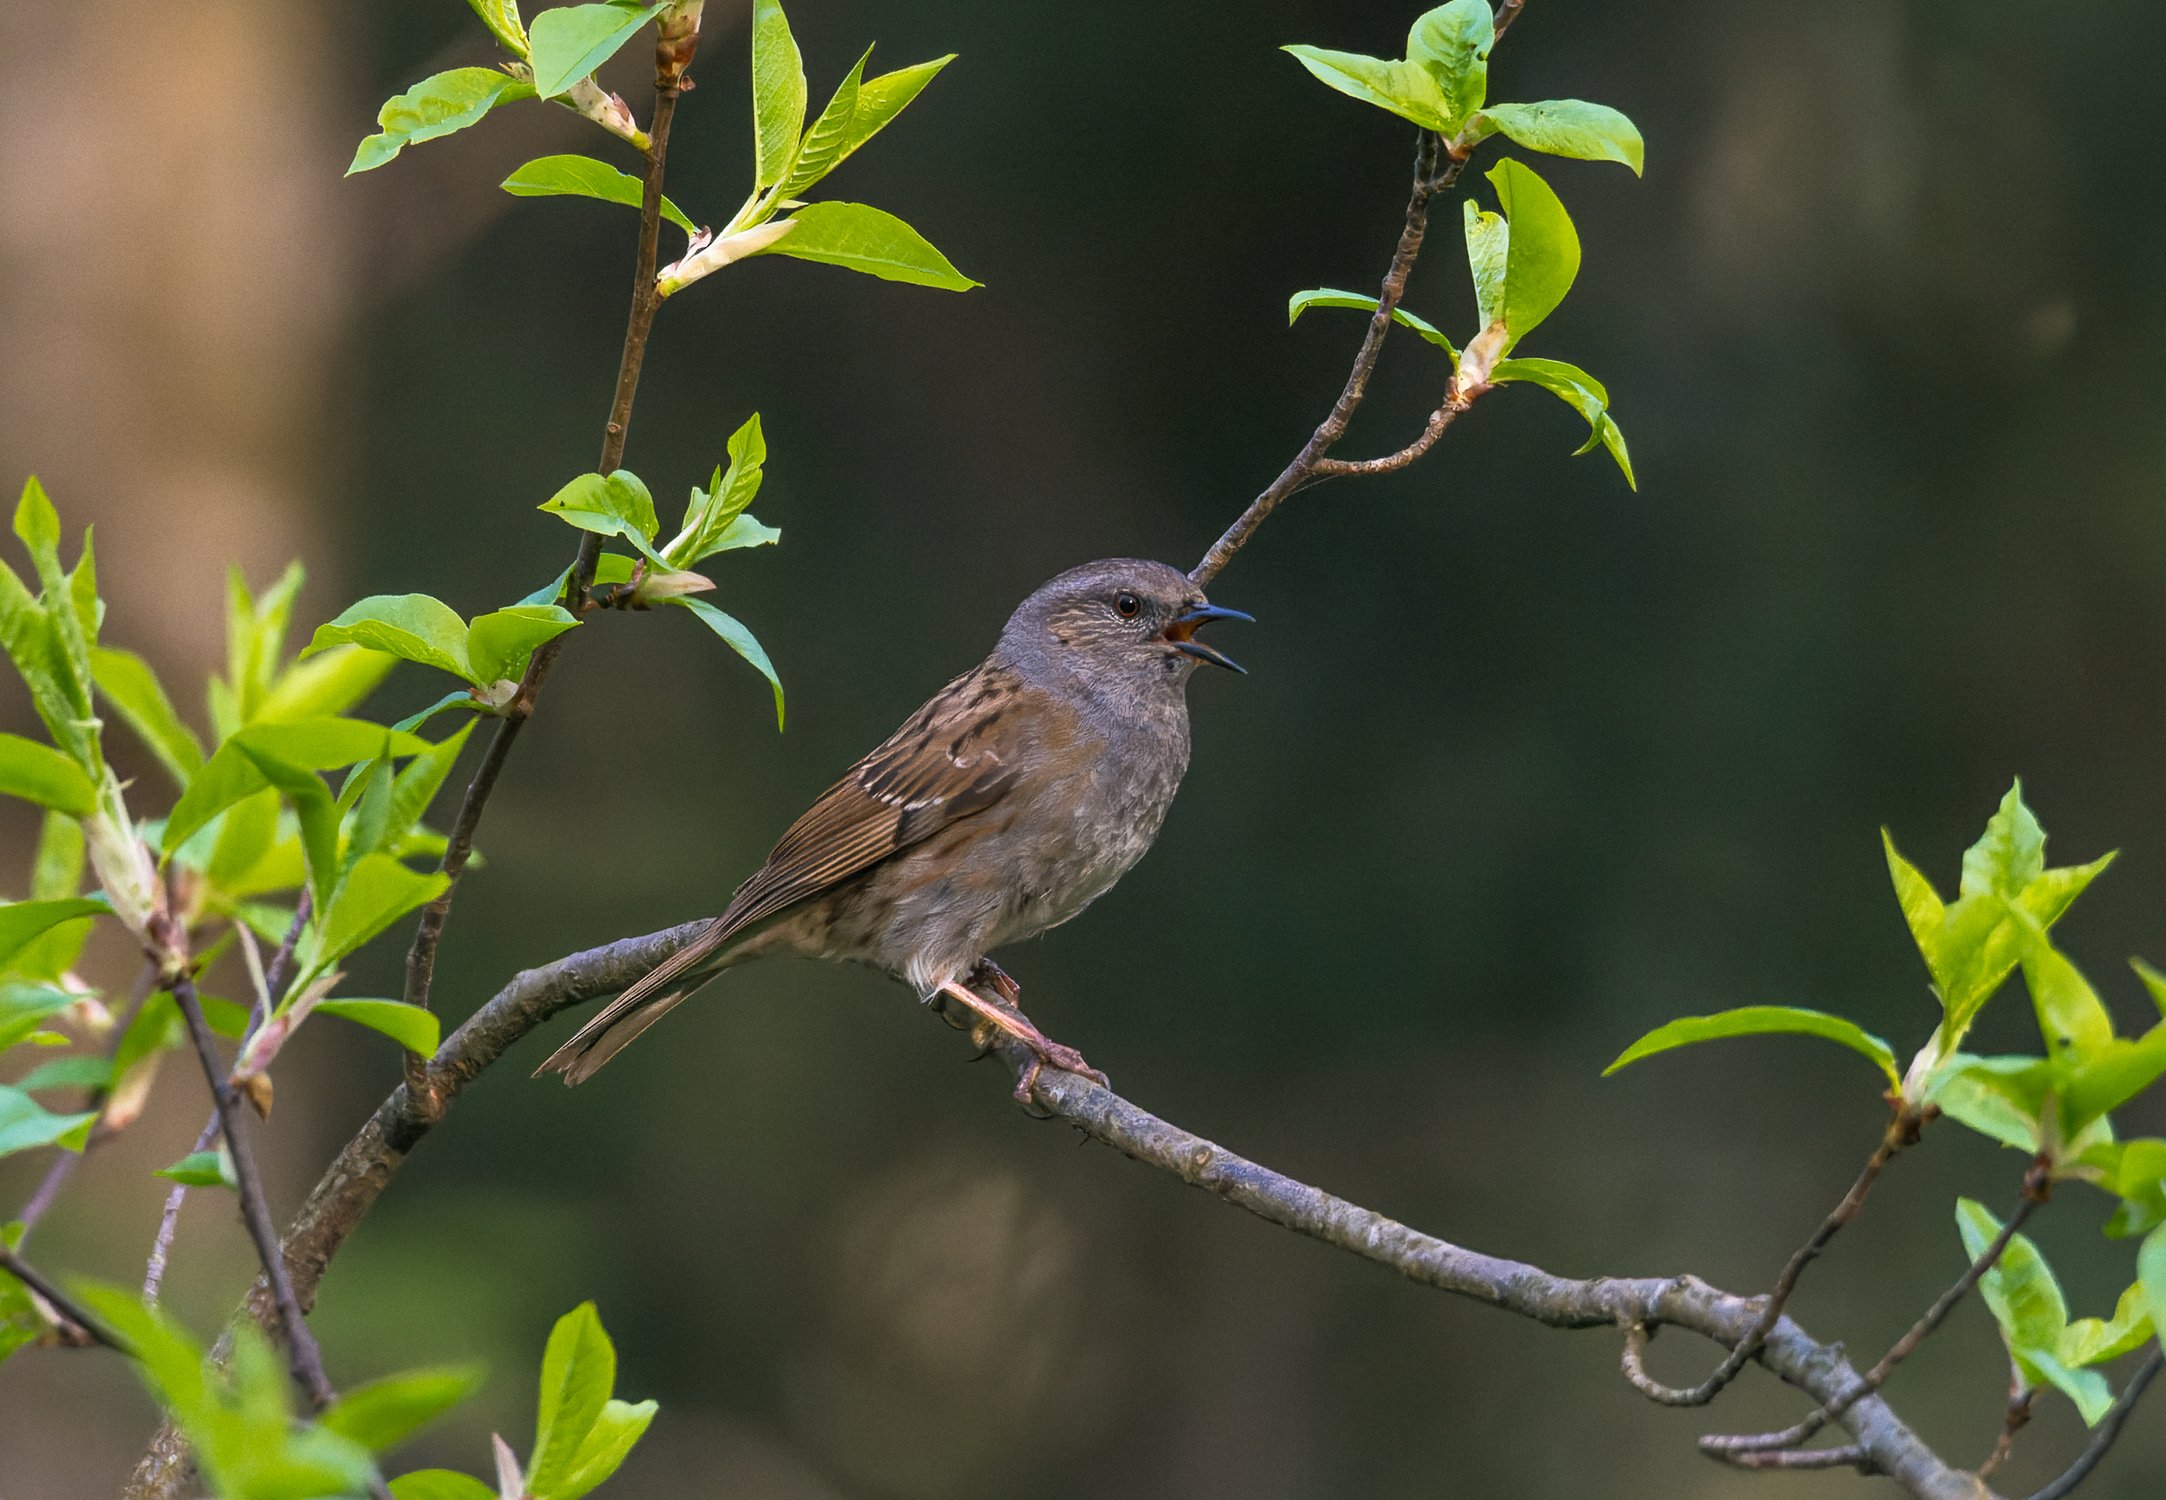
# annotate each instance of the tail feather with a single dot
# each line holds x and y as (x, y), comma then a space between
(654, 995)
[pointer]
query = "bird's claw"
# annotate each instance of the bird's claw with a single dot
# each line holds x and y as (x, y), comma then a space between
(1045, 1053)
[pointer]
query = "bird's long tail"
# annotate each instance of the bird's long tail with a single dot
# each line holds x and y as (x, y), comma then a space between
(653, 996)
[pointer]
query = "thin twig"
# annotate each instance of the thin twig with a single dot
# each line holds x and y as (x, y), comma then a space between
(77, 1325)
(169, 1219)
(673, 54)
(1848, 1456)
(1730, 1445)
(2108, 1429)
(301, 1349)
(2014, 1418)
(1901, 1131)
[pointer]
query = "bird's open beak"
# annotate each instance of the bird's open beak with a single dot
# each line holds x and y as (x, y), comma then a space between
(1181, 634)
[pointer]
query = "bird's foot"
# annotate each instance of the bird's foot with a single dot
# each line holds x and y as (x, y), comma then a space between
(993, 975)
(996, 1020)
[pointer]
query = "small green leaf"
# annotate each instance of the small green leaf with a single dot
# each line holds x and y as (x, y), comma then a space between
(570, 42)
(2086, 1388)
(130, 685)
(2091, 1341)
(502, 19)
(413, 627)
(56, 869)
(2070, 1015)
(499, 644)
(417, 785)
(26, 1124)
(584, 177)
(1541, 251)
(81, 1071)
(1451, 44)
(1757, 1020)
(376, 892)
(609, 1442)
(881, 99)
(1406, 89)
(862, 238)
(739, 640)
(39, 773)
(24, 1009)
(434, 107)
(384, 1413)
(1571, 127)
(2107, 1076)
(2003, 1098)
(2020, 1288)
(413, 1028)
(618, 504)
(2010, 854)
(23, 921)
(579, 1370)
(778, 94)
(822, 145)
(711, 513)
(440, 1484)
(1325, 296)
(1578, 390)
(202, 1169)
(328, 683)
(2151, 1276)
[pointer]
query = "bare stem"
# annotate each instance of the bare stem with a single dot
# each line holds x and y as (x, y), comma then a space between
(301, 1349)
(2109, 1428)
(2014, 1418)
(1729, 1446)
(77, 1326)
(1901, 1131)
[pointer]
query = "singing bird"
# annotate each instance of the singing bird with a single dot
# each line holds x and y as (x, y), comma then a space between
(1013, 799)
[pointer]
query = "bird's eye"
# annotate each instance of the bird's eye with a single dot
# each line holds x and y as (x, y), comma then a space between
(1128, 604)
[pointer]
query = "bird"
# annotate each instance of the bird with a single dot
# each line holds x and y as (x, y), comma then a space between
(1016, 796)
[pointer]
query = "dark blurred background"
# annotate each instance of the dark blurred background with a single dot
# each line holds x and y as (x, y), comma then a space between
(1527, 763)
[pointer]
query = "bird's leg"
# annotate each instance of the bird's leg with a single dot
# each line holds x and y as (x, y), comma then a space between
(1043, 1049)
(988, 972)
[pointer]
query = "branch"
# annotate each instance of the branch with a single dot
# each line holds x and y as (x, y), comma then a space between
(77, 1326)
(1730, 1446)
(2108, 1429)
(674, 45)
(1312, 464)
(301, 1349)
(1901, 1132)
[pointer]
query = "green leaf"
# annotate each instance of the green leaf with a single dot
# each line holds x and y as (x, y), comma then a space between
(2091, 1341)
(579, 1370)
(880, 100)
(739, 640)
(2106, 1077)
(502, 19)
(608, 1444)
(2020, 1288)
(778, 94)
(440, 1484)
(413, 627)
(499, 644)
(1571, 127)
(2151, 1276)
(570, 42)
(434, 107)
(26, 1124)
(170, 1362)
(2000, 1097)
(376, 892)
(1406, 89)
(1325, 296)
(23, 921)
(81, 1071)
(862, 238)
(238, 769)
(413, 1028)
(1451, 44)
(202, 1169)
(39, 773)
(618, 504)
(1541, 251)
(584, 177)
(1758, 1020)
(2010, 854)
(417, 785)
(56, 869)
(710, 514)
(2070, 1015)
(327, 684)
(1488, 248)
(24, 1008)
(384, 1413)
(2087, 1388)
(1578, 390)
(130, 685)
(822, 145)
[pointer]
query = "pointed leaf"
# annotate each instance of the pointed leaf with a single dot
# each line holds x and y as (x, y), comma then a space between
(1571, 127)
(1578, 390)
(1451, 44)
(2070, 1014)
(129, 684)
(778, 94)
(434, 107)
(376, 892)
(384, 1413)
(26, 1124)
(413, 627)
(579, 1370)
(2092, 1341)
(608, 1444)
(327, 684)
(739, 640)
(1325, 296)
(611, 505)
(1541, 252)
(413, 1028)
(499, 644)
(881, 99)
(2020, 1288)
(710, 513)
(1406, 89)
(23, 921)
(584, 177)
(2003, 1098)
(2010, 854)
(440, 1484)
(502, 19)
(867, 239)
(822, 146)
(39, 773)
(202, 1169)
(1757, 1020)
(2151, 1276)
(570, 42)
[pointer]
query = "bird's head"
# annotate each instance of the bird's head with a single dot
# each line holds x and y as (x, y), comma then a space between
(1123, 624)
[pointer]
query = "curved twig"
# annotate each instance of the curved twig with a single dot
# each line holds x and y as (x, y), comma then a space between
(2108, 1428)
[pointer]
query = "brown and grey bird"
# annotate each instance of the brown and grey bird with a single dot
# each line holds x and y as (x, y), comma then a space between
(1012, 800)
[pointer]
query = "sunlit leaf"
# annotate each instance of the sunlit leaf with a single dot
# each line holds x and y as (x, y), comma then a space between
(202, 1169)
(1541, 250)
(778, 93)
(26, 1124)
(616, 504)
(23, 921)
(570, 42)
(384, 1413)
(413, 1028)
(739, 640)
(440, 1484)
(1580, 391)
(862, 238)
(129, 684)
(502, 19)
(1325, 296)
(584, 177)
(1570, 127)
(413, 627)
(434, 107)
(579, 1371)
(39, 773)
(822, 145)
(499, 644)
(1758, 1020)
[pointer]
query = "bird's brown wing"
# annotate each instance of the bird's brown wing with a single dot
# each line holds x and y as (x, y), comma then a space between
(940, 766)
